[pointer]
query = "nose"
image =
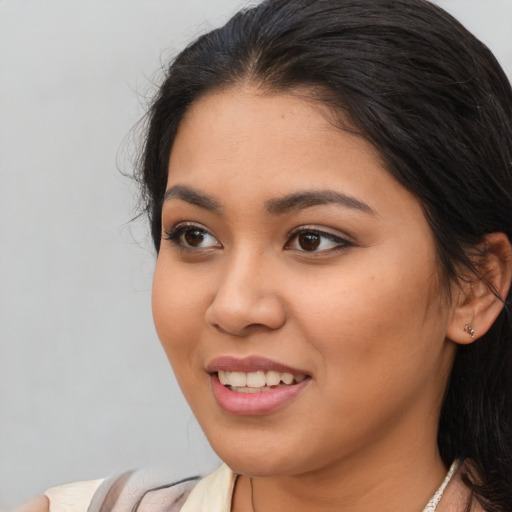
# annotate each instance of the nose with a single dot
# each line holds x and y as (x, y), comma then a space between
(247, 298)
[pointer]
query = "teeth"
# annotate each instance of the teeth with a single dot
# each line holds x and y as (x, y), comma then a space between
(238, 379)
(257, 381)
(273, 378)
(223, 377)
(249, 390)
(287, 378)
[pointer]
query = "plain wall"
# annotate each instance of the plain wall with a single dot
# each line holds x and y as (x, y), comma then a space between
(85, 389)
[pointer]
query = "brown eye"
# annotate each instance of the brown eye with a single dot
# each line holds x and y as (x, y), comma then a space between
(309, 241)
(194, 237)
(315, 241)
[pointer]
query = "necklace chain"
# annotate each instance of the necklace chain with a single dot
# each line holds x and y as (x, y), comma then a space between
(431, 506)
(436, 497)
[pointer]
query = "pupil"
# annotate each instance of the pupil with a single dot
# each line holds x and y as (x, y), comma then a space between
(309, 241)
(194, 237)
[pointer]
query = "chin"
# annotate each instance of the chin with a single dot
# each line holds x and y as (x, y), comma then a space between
(259, 459)
(261, 466)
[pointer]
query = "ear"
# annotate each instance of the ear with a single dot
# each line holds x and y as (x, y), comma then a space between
(475, 304)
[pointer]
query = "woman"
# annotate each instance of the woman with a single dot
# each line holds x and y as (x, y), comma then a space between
(329, 188)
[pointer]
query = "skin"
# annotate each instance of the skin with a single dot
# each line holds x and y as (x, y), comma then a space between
(38, 504)
(365, 316)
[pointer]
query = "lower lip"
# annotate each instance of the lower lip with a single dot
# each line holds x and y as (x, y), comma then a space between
(252, 404)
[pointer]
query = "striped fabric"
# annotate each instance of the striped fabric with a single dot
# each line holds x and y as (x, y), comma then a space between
(141, 491)
(147, 491)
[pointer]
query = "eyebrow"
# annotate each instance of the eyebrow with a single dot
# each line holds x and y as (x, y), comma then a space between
(194, 197)
(277, 206)
(309, 198)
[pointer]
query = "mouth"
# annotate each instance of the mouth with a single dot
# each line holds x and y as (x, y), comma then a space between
(254, 385)
(258, 381)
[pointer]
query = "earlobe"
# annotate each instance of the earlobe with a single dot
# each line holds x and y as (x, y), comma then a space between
(480, 299)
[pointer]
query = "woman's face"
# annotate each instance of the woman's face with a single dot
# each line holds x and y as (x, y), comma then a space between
(288, 249)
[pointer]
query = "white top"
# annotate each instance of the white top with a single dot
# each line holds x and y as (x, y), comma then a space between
(211, 494)
(74, 497)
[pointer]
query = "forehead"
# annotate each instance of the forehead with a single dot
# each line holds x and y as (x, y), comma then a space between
(243, 146)
(239, 129)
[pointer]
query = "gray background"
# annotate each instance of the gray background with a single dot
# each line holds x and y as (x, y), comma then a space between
(85, 389)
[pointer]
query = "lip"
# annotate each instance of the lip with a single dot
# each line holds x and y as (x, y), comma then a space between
(252, 404)
(250, 364)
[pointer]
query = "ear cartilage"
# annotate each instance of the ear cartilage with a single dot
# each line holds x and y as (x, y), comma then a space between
(469, 329)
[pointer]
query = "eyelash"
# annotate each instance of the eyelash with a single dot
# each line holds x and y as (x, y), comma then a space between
(175, 237)
(340, 243)
(175, 234)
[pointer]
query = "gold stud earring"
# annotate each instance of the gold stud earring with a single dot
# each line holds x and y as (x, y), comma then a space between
(469, 329)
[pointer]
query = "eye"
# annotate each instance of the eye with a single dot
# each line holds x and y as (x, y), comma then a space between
(192, 236)
(314, 240)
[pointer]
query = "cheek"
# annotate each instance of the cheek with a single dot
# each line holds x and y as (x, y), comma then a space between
(177, 308)
(373, 323)
(380, 342)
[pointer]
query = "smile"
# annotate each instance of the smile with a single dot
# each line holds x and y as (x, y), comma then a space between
(259, 381)
(254, 385)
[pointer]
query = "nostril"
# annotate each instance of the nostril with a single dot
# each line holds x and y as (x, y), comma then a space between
(243, 315)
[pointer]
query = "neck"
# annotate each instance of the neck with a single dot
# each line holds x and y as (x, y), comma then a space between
(405, 480)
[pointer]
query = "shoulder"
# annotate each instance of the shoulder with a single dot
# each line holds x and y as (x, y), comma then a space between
(74, 497)
(144, 490)
(38, 504)
(141, 490)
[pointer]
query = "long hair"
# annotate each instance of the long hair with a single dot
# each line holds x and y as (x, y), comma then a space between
(437, 106)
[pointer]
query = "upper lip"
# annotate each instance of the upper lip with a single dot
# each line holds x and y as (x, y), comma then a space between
(250, 364)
